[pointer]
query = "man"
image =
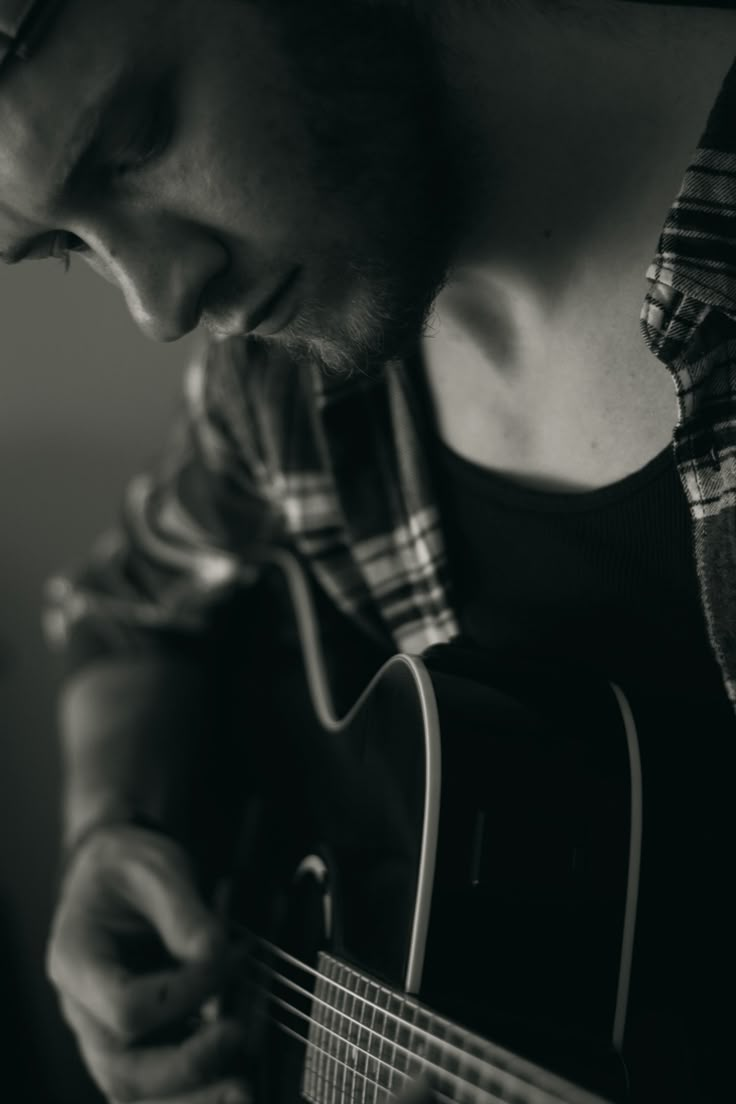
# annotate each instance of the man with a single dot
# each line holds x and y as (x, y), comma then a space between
(362, 202)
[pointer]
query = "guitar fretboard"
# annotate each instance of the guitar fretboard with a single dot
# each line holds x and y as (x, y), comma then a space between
(366, 1041)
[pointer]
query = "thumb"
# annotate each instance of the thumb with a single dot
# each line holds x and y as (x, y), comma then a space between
(158, 882)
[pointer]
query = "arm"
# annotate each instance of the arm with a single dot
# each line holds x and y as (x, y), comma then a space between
(131, 732)
(136, 627)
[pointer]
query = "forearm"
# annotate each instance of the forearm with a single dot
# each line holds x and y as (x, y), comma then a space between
(132, 732)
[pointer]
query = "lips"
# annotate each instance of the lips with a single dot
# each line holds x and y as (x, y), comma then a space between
(275, 311)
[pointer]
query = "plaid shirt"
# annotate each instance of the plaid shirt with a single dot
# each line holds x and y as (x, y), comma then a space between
(335, 468)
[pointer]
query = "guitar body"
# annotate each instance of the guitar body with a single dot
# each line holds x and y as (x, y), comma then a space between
(462, 841)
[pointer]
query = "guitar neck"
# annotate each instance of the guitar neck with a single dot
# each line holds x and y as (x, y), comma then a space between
(366, 1041)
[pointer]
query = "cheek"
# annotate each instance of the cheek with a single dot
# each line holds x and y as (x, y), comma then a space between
(244, 148)
(274, 178)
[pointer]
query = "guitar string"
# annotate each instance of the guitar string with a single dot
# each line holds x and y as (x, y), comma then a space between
(394, 1043)
(364, 1076)
(334, 1058)
(321, 1079)
(427, 1063)
(443, 1044)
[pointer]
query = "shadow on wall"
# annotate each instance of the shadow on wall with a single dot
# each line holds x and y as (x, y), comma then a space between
(84, 403)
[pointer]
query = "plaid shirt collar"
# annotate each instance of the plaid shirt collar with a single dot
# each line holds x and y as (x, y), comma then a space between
(689, 323)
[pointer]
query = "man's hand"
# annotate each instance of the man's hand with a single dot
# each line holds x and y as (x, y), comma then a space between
(134, 953)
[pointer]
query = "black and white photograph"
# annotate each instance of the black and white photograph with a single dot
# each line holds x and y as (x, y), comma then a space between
(368, 551)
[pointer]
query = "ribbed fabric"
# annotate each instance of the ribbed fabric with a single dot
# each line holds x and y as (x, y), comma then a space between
(606, 577)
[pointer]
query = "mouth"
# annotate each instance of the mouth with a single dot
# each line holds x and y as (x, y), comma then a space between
(278, 309)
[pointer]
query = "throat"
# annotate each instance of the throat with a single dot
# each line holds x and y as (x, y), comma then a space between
(557, 404)
(535, 359)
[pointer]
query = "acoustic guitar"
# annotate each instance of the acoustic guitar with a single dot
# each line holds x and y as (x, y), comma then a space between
(440, 884)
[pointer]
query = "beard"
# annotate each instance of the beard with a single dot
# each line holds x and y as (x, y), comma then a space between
(372, 103)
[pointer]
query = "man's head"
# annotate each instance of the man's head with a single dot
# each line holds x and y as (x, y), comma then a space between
(242, 158)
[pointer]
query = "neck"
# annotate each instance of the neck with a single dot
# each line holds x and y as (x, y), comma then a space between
(576, 130)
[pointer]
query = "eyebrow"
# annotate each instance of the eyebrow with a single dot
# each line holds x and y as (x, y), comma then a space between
(80, 148)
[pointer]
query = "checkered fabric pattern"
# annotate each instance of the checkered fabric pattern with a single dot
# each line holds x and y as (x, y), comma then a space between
(336, 469)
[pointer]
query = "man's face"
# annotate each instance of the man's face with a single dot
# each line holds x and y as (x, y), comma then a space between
(275, 167)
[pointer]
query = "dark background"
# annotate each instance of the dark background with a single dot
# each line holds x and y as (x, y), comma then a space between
(84, 402)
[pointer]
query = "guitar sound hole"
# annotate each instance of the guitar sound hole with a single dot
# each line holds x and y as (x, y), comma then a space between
(303, 929)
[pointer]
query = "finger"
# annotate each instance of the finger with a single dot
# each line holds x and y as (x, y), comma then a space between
(157, 881)
(130, 1006)
(132, 1074)
(145, 877)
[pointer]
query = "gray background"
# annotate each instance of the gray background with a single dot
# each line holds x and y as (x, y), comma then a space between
(85, 401)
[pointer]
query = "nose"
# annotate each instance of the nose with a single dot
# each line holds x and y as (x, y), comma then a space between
(162, 268)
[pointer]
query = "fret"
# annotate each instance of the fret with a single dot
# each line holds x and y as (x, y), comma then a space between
(308, 1085)
(360, 1037)
(333, 1038)
(322, 1012)
(402, 1059)
(420, 1023)
(318, 1012)
(395, 1082)
(382, 1000)
(313, 1084)
(365, 1014)
(458, 1065)
(350, 1035)
(415, 1064)
(470, 1069)
(370, 1083)
(338, 1027)
(448, 1059)
(437, 1058)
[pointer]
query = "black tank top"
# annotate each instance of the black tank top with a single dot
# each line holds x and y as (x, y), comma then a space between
(604, 577)
(605, 580)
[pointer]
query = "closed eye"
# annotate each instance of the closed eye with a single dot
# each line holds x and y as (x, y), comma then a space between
(63, 245)
(146, 143)
(57, 246)
(109, 161)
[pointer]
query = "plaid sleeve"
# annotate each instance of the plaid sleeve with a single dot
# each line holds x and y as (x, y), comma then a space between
(156, 579)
